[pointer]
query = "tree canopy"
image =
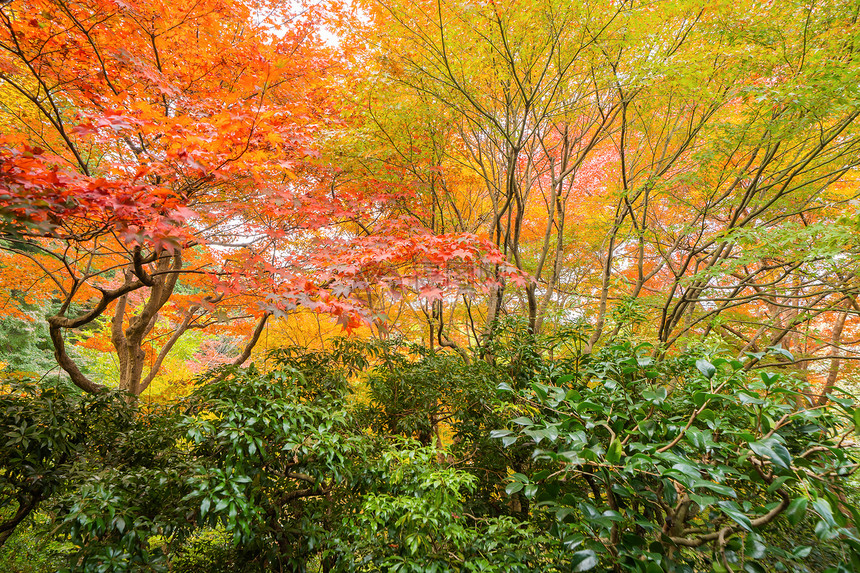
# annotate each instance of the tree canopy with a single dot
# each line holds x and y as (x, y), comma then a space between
(596, 265)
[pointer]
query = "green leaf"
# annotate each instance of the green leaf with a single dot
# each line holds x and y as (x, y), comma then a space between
(824, 531)
(755, 549)
(583, 560)
(541, 475)
(746, 399)
(822, 508)
(844, 402)
(770, 448)
(522, 421)
(731, 509)
(513, 487)
(572, 396)
(540, 391)
(699, 398)
(782, 351)
(703, 501)
(588, 405)
(715, 487)
(796, 510)
(707, 416)
(656, 396)
(778, 483)
(696, 438)
(769, 378)
(562, 513)
(537, 435)
(615, 451)
(706, 368)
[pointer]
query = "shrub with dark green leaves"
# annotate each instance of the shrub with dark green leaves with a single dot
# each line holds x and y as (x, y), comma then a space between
(556, 462)
(45, 432)
(416, 518)
(685, 465)
(246, 452)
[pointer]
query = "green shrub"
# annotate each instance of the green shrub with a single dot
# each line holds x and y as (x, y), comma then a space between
(685, 464)
(618, 461)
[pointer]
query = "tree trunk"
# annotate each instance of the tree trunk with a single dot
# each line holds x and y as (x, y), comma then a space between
(835, 340)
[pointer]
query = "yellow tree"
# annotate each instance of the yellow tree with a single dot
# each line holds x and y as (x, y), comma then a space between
(683, 162)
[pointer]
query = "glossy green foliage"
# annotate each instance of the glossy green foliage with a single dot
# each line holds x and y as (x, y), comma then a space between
(246, 452)
(683, 464)
(277, 461)
(46, 432)
(438, 398)
(127, 503)
(417, 517)
(556, 461)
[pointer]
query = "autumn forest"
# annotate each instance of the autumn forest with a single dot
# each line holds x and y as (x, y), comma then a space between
(429, 286)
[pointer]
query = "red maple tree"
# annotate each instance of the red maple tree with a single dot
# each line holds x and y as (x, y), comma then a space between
(158, 165)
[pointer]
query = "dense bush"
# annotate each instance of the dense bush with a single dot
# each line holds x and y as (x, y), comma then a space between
(47, 431)
(553, 461)
(684, 465)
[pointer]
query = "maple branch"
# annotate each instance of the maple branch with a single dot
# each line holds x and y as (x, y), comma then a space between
(116, 323)
(108, 296)
(56, 118)
(137, 264)
(49, 274)
(67, 364)
(57, 323)
(161, 290)
(86, 32)
(443, 339)
(246, 353)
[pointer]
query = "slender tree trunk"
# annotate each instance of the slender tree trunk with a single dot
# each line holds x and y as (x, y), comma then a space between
(129, 341)
(835, 341)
